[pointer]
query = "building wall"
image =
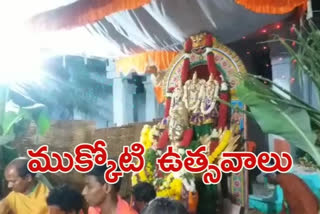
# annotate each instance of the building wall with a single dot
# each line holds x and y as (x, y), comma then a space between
(140, 107)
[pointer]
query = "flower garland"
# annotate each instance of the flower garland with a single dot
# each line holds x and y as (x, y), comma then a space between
(225, 138)
(146, 136)
(147, 174)
(134, 180)
(171, 185)
(187, 178)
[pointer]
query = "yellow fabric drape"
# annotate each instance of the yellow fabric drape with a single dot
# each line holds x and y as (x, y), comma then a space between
(82, 12)
(34, 203)
(139, 62)
(272, 6)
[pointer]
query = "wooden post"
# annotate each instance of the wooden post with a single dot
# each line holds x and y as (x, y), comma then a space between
(246, 174)
(4, 91)
(2, 180)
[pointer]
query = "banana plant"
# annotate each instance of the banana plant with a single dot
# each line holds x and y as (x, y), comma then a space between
(13, 116)
(279, 111)
(279, 115)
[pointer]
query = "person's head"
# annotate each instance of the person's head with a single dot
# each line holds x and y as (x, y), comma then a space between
(97, 190)
(164, 206)
(19, 178)
(142, 193)
(65, 200)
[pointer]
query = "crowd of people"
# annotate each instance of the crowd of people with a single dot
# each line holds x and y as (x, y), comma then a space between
(30, 196)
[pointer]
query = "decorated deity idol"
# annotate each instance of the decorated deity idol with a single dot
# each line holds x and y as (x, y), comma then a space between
(196, 114)
(198, 43)
(178, 123)
(192, 98)
(177, 97)
(191, 92)
(209, 94)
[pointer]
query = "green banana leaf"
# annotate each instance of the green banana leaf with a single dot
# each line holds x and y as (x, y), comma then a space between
(39, 114)
(275, 115)
(16, 114)
(6, 139)
(3, 99)
(10, 118)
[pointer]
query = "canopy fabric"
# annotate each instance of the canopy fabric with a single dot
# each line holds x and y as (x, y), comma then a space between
(139, 62)
(161, 25)
(165, 24)
(272, 6)
(82, 12)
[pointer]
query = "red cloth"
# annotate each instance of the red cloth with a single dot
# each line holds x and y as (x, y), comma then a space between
(212, 67)
(223, 111)
(122, 208)
(167, 107)
(186, 62)
(187, 137)
(164, 139)
(213, 145)
(188, 46)
(94, 210)
(252, 146)
(185, 70)
(209, 40)
(297, 194)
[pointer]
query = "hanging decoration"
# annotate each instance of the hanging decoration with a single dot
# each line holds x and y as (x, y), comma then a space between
(272, 6)
(113, 29)
(82, 12)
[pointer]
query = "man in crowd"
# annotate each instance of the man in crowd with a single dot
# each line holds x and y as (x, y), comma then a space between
(142, 194)
(103, 197)
(28, 195)
(298, 198)
(65, 200)
(164, 206)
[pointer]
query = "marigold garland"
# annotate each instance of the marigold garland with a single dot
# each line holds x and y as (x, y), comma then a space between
(176, 187)
(134, 180)
(142, 176)
(146, 137)
(171, 188)
(149, 169)
(171, 185)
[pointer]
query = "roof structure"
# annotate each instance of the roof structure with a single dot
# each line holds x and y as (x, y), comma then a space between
(118, 28)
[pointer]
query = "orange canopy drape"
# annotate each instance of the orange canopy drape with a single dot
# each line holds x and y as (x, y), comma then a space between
(82, 12)
(272, 6)
(139, 62)
(160, 96)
